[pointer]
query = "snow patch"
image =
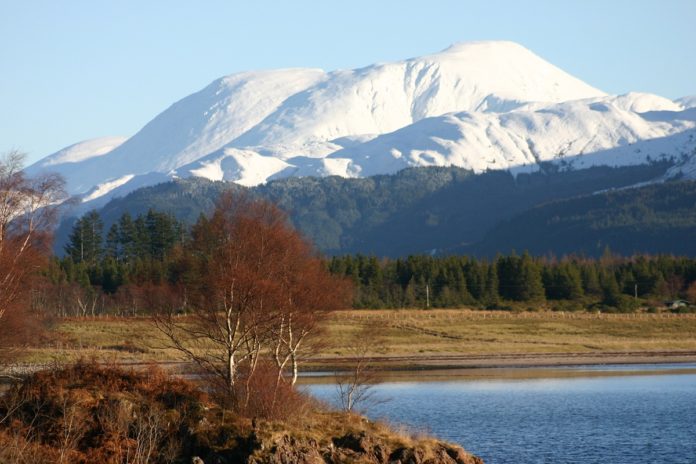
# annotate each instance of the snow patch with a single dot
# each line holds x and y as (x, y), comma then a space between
(686, 102)
(82, 151)
(102, 189)
(244, 167)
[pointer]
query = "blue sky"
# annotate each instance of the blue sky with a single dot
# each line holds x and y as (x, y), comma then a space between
(73, 70)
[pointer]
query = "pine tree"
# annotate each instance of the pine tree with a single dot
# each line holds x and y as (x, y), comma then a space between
(590, 280)
(475, 277)
(85, 240)
(127, 237)
(490, 296)
(610, 289)
(531, 286)
(113, 245)
(111, 277)
(162, 233)
(141, 242)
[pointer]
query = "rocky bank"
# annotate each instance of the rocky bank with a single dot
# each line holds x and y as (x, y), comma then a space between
(87, 414)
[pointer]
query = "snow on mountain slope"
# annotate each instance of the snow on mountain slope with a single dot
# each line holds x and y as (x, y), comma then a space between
(296, 112)
(685, 169)
(82, 151)
(643, 102)
(480, 105)
(102, 193)
(102, 189)
(687, 102)
(69, 161)
(567, 133)
(199, 124)
(474, 76)
(481, 141)
(247, 167)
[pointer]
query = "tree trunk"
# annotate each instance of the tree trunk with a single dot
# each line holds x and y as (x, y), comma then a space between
(293, 358)
(231, 371)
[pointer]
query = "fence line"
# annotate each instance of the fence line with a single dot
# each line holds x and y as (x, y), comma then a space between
(452, 315)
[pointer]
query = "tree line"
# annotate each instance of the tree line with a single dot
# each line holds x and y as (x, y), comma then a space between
(518, 281)
(107, 273)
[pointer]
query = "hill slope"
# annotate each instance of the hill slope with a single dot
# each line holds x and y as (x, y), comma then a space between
(659, 218)
(414, 211)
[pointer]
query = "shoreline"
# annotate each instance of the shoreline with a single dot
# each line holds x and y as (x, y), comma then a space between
(509, 360)
(517, 367)
(514, 366)
(450, 361)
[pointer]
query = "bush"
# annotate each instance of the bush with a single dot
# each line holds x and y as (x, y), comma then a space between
(266, 396)
(86, 413)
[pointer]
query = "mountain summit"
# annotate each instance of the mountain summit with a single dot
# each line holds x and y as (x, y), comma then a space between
(480, 105)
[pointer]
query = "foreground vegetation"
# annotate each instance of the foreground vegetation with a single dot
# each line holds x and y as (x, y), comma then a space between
(90, 414)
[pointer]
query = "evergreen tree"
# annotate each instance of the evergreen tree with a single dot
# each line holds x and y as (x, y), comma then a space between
(520, 278)
(590, 280)
(141, 237)
(610, 289)
(490, 296)
(113, 245)
(112, 277)
(410, 298)
(85, 240)
(127, 237)
(162, 233)
(531, 287)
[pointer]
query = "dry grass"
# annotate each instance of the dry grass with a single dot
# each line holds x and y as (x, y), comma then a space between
(414, 333)
(442, 332)
(114, 340)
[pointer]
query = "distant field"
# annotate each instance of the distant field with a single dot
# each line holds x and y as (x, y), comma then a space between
(415, 335)
(493, 332)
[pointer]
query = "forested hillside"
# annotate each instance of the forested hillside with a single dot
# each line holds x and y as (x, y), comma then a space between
(659, 218)
(419, 210)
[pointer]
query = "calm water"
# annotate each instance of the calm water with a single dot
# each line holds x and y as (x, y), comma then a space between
(608, 420)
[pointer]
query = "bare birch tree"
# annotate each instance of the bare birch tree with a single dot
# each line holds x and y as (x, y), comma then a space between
(355, 386)
(310, 291)
(28, 210)
(254, 280)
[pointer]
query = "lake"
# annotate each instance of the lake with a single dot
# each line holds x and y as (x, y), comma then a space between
(633, 414)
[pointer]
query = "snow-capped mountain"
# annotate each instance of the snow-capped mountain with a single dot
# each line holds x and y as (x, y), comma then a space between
(686, 102)
(69, 161)
(480, 105)
(570, 132)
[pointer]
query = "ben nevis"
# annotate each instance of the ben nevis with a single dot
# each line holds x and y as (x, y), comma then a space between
(481, 106)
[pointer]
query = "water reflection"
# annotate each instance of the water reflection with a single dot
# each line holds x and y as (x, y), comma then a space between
(637, 418)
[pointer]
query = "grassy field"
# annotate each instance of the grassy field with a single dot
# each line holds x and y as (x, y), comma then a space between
(406, 333)
(486, 332)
